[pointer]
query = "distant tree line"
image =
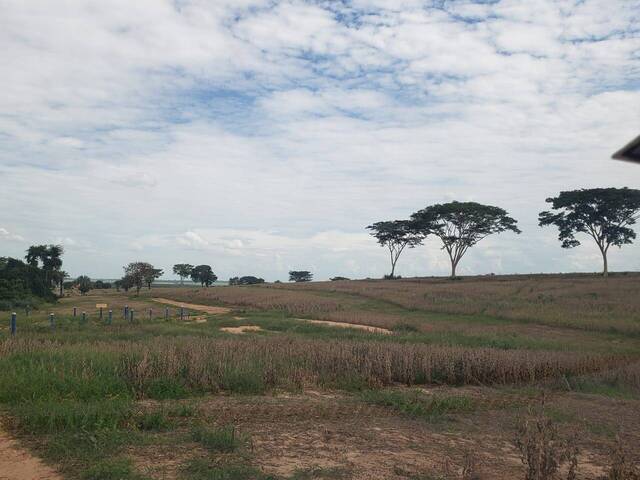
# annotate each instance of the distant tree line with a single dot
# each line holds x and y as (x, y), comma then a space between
(604, 214)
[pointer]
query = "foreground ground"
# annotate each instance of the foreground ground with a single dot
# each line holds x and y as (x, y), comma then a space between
(430, 379)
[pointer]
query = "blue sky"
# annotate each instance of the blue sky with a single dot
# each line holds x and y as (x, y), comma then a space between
(263, 136)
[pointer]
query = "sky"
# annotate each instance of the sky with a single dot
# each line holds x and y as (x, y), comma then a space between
(264, 136)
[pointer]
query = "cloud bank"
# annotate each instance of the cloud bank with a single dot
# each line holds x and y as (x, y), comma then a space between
(261, 136)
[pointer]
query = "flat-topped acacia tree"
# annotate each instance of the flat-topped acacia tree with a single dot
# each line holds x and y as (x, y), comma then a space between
(605, 214)
(396, 235)
(461, 225)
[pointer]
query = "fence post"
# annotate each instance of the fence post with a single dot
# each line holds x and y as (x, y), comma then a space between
(131, 316)
(100, 313)
(14, 323)
(166, 313)
(52, 321)
(126, 312)
(84, 317)
(181, 313)
(110, 317)
(150, 313)
(75, 311)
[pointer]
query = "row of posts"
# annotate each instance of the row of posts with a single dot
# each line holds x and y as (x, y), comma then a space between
(128, 314)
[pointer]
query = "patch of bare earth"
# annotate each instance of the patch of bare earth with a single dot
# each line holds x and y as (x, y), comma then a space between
(17, 463)
(297, 432)
(368, 328)
(242, 329)
(194, 306)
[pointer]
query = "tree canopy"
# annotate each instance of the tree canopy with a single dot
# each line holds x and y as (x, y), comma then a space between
(605, 214)
(246, 280)
(84, 284)
(137, 274)
(183, 270)
(396, 235)
(461, 225)
(300, 276)
(203, 274)
(46, 257)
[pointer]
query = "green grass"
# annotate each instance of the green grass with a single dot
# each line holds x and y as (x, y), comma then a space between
(222, 439)
(112, 469)
(201, 469)
(63, 415)
(415, 403)
(153, 421)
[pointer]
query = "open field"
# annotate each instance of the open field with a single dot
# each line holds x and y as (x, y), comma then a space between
(276, 396)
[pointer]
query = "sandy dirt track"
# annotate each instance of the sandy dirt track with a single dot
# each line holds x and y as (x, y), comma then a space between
(16, 463)
(193, 306)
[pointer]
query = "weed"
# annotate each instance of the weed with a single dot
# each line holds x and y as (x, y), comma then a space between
(224, 439)
(541, 448)
(417, 404)
(116, 469)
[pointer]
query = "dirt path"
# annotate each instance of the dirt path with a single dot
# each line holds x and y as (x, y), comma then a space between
(17, 463)
(242, 329)
(368, 328)
(194, 306)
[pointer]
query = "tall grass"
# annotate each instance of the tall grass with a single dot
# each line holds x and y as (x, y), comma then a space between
(83, 372)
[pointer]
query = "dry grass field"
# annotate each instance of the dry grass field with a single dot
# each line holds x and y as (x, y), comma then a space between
(474, 379)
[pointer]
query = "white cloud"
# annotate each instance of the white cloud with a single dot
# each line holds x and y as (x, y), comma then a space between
(271, 133)
(8, 236)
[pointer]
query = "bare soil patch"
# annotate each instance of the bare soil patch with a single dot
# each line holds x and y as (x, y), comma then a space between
(368, 328)
(242, 329)
(193, 306)
(17, 463)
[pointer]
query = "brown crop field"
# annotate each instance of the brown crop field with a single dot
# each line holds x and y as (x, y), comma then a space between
(474, 375)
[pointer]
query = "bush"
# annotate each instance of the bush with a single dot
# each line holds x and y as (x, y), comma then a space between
(223, 439)
(338, 279)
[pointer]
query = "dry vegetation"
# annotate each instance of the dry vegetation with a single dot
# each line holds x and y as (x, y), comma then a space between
(444, 396)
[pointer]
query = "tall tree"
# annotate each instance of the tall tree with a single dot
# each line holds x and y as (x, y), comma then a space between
(138, 274)
(150, 274)
(204, 275)
(396, 235)
(183, 270)
(50, 258)
(461, 225)
(84, 284)
(605, 214)
(59, 276)
(300, 276)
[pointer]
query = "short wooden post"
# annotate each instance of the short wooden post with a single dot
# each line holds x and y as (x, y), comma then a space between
(131, 316)
(84, 317)
(75, 311)
(150, 313)
(181, 313)
(14, 323)
(52, 321)
(126, 312)
(166, 313)
(100, 313)
(110, 317)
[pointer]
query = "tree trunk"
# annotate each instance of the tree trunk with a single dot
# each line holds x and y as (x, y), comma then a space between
(605, 269)
(393, 268)
(454, 264)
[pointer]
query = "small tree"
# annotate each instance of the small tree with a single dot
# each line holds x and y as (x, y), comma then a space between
(396, 235)
(605, 214)
(300, 276)
(461, 225)
(183, 270)
(204, 275)
(84, 284)
(150, 274)
(135, 273)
